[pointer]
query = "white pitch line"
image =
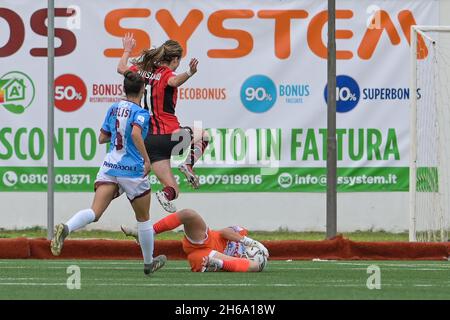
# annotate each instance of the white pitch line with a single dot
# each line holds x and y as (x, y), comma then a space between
(131, 267)
(92, 281)
(275, 263)
(153, 284)
(63, 268)
(274, 268)
(442, 265)
(422, 285)
(281, 285)
(307, 268)
(124, 280)
(21, 279)
(37, 284)
(89, 268)
(302, 285)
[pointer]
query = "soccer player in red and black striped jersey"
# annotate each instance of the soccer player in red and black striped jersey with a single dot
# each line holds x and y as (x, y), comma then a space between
(166, 135)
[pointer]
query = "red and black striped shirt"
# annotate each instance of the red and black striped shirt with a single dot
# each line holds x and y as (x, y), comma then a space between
(161, 99)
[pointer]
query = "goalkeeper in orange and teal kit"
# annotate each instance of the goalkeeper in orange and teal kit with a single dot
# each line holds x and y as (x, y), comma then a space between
(228, 249)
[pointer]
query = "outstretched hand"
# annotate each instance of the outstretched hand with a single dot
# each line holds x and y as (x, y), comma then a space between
(193, 65)
(128, 42)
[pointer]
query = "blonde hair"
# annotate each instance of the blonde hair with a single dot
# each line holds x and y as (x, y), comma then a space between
(151, 59)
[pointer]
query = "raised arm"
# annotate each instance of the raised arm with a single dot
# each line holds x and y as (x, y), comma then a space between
(178, 80)
(128, 45)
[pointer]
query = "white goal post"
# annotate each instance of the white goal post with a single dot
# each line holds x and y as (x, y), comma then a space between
(429, 183)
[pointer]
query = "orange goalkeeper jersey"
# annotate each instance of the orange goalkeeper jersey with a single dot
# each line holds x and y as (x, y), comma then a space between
(214, 242)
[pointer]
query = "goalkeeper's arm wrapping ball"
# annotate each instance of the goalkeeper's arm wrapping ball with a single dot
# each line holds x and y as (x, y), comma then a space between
(255, 251)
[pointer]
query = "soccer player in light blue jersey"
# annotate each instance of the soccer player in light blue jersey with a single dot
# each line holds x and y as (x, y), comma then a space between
(124, 170)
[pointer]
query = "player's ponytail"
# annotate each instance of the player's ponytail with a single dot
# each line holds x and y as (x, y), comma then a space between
(151, 59)
(132, 83)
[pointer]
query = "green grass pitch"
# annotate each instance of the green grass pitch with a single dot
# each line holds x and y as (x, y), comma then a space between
(47, 279)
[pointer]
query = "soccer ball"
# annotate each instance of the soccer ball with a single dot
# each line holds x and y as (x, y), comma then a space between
(251, 252)
(257, 255)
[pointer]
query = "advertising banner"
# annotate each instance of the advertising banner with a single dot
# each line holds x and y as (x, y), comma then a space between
(260, 90)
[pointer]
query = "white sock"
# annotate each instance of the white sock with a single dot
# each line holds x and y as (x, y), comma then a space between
(80, 219)
(146, 240)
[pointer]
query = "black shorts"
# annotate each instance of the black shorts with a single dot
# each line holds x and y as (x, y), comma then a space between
(163, 146)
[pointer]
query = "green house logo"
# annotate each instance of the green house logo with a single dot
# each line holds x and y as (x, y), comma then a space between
(17, 91)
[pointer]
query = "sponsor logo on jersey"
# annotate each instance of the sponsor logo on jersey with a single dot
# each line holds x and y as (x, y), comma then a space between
(119, 166)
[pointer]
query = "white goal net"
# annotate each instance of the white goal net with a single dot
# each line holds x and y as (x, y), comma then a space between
(430, 134)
